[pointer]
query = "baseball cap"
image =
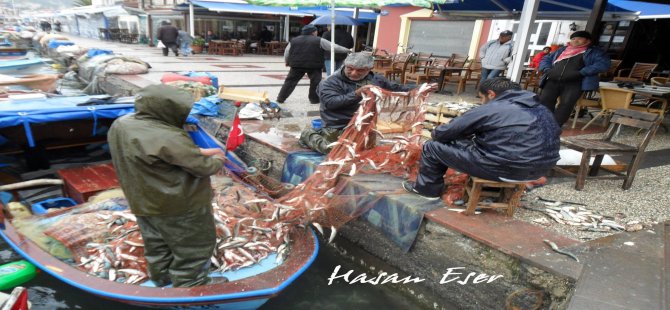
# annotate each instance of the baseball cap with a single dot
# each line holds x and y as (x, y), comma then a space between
(581, 34)
(507, 33)
(308, 29)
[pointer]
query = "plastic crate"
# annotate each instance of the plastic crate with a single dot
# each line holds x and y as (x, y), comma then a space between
(61, 202)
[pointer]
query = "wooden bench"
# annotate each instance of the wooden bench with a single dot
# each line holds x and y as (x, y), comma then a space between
(507, 195)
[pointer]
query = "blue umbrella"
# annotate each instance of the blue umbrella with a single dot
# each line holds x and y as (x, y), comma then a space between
(339, 20)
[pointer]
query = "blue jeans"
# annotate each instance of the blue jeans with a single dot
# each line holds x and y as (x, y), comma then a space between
(338, 64)
(489, 74)
(185, 49)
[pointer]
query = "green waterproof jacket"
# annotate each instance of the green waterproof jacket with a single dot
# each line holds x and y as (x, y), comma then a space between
(161, 170)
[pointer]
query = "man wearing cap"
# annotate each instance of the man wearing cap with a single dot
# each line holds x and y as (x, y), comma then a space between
(165, 178)
(341, 94)
(569, 71)
(496, 55)
(304, 54)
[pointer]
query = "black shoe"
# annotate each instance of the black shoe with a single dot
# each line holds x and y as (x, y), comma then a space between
(280, 102)
(409, 187)
(314, 102)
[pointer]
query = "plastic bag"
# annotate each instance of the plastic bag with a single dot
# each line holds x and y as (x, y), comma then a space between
(160, 44)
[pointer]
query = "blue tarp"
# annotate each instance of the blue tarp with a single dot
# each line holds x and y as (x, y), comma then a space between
(647, 10)
(59, 109)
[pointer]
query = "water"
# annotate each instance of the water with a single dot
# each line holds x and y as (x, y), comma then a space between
(309, 291)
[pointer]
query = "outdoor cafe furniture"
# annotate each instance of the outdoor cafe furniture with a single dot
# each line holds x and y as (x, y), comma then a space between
(507, 195)
(453, 70)
(588, 99)
(427, 73)
(639, 73)
(614, 65)
(278, 48)
(421, 60)
(647, 123)
(660, 81)
(397, 68)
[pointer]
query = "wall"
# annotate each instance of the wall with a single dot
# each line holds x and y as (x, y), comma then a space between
(388, 27)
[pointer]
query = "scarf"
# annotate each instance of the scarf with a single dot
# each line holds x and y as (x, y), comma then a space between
(571, 51)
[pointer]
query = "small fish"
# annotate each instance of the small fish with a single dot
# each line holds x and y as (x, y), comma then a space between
(333, 233)
(558, 250)
(318, 227)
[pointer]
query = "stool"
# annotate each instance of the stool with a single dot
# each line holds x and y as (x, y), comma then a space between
(508, 195)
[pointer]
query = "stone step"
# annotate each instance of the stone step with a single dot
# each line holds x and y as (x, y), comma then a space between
(625, 271)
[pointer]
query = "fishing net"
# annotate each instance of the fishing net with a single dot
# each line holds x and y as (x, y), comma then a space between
(257, 217)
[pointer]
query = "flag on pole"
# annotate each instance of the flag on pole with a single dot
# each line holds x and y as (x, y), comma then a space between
(235, 136)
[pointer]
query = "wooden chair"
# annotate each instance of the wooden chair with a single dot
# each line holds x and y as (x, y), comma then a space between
(473, 74)
(397, 68)
(614, 65)
(660, 81)
(612, 99)
(457, 77)
(589, 99)
(421, 61)
(646, 122)
(429, 73)
(639, 73)
(508, 195)
(531, 80)
(454, 71)
(279, 48)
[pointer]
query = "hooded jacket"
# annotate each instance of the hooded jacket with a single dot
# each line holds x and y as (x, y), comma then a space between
(339, 101)
(161, 170)
(511, 135)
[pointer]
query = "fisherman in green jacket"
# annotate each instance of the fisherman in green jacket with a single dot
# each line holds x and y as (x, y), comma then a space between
(165, 178)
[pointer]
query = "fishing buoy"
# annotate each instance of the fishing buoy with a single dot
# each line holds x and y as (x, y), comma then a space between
(16, 273)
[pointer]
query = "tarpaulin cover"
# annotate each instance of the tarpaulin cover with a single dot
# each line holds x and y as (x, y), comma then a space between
(57, 43)
(60, 109)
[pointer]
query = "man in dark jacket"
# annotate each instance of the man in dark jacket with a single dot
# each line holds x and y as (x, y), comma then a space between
(168, 34)
(340, 96)
(304, 54)
(511, 138)
(569, 71)
(342, 38)
(165, 178)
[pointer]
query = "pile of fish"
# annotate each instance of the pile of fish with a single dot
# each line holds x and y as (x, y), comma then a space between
(577, 215)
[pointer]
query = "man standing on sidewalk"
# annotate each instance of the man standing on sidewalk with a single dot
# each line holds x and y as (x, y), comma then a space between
(168, 34)
(304, 54)
(496, 55)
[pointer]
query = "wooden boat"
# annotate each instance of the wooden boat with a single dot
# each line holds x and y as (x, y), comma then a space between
(22, 66)
(248, 288)
(42, 82)
(12, 52)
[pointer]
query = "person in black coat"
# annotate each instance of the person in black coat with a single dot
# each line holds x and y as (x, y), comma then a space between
(342, 38)
(304, 54)
(168, 34)
(513, 137)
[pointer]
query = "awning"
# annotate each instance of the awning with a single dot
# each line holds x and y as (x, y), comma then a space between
(248, 8)
(108, 11)
(548, 9)
(364, 16)
(647, 10)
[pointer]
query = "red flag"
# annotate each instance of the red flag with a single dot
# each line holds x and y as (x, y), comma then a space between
(235, 136)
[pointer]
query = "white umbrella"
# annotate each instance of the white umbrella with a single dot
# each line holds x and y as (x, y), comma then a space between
(343, 3)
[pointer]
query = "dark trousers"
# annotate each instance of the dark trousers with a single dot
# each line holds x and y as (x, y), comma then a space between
(569, 92)
(292, 79)
(179, 248)
(437, 157)
(173, 46)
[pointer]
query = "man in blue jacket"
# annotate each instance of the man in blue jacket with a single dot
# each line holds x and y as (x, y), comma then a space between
(510, 138)
(569, 71)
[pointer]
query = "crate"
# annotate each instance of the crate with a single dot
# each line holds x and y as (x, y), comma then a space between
(83, 182)
(442, 113)
(43, 206)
